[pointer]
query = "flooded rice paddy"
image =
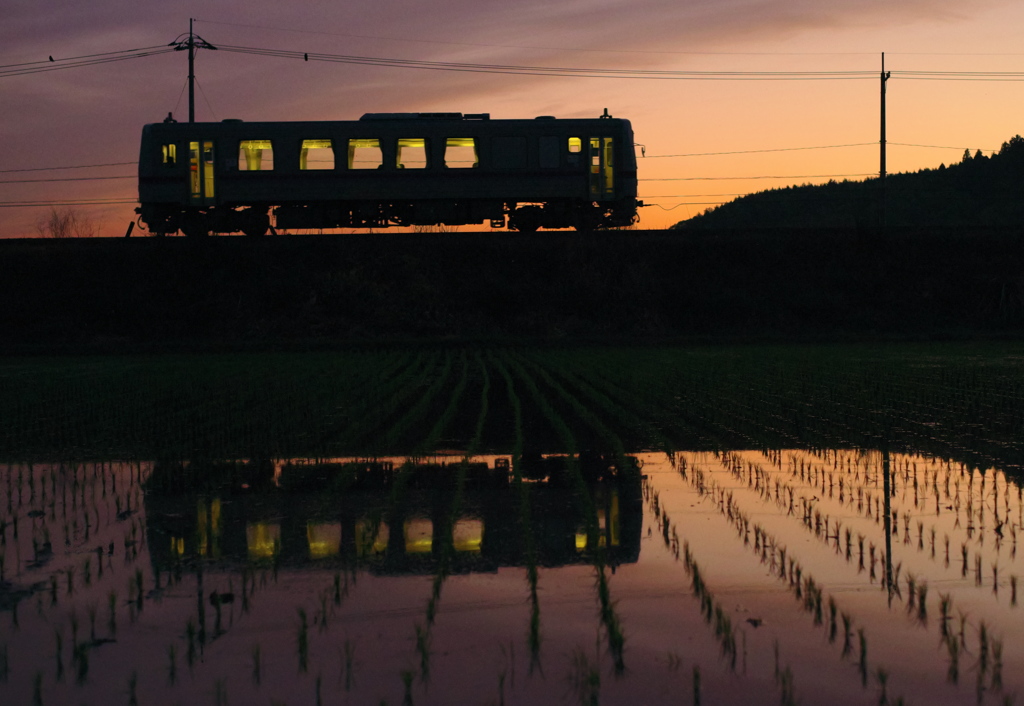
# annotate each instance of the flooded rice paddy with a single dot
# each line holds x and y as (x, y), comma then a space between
(606, 526)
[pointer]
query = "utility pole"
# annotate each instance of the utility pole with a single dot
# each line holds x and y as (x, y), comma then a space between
(192, 43)
(881, 142)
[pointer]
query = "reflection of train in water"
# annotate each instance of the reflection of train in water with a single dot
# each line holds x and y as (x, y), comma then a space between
(391, 169)
(393, 516)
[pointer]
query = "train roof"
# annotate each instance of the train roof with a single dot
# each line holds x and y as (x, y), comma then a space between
(394, 118)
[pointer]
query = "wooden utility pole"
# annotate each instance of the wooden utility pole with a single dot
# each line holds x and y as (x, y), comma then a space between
(881, 142)
(191, 44)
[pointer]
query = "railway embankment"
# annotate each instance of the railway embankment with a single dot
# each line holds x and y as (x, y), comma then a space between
(617, 286)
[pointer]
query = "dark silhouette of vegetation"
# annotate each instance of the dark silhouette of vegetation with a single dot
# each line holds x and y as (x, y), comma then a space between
(978, 191)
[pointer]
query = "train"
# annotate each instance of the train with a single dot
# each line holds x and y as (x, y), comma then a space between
(387, 170)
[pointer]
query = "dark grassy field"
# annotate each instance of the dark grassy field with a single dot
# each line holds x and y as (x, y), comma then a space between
(113, 294)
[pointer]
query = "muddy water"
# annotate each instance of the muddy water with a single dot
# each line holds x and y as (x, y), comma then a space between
(740, 577)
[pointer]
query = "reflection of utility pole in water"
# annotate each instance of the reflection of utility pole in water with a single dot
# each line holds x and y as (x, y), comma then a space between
(887, 489)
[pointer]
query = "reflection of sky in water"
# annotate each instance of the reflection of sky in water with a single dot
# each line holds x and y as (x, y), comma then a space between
(81, 538)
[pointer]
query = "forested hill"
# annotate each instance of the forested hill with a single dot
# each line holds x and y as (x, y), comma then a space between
(977, 191)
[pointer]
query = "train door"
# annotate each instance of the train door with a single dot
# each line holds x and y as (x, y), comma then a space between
(602, 167)
(201, 184)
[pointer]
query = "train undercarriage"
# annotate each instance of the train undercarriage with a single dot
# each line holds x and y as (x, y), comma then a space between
(256, 220)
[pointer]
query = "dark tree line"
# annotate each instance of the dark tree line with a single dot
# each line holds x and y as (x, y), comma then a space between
(978, 191)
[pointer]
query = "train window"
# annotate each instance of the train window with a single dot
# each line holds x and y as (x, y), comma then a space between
(316, 154)
(549, 155)
(255, 155)
(575, 145)
(460, 153)
(365, 153)
(412, 153)
(170, 154)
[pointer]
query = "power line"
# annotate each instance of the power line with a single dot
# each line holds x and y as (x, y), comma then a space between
(37, 204)
(777, 149)
(77, 166)
(38, 181)
(536, 48)
(37, 67)
(550, 70)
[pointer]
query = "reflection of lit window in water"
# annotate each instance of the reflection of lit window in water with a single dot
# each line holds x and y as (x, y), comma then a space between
(263, 539)
(324, 539)
(419, 535)
(208, 527)
(368, 542)
(178, 546)
(609, 530)
(468, 535)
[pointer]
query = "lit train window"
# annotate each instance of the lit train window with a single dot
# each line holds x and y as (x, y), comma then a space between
(170, 154)
(460, 153)
(316, 154)
(575, 145)
(365, 153)
(255, 155)
(412, 153)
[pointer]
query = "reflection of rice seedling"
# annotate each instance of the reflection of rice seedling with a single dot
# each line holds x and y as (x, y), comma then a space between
(696, 685)
(862, 662)
(585, 679)
(423, 649)
(112, 616)
(190, 641)
(59, 655)
(832, 609)
(81, 658)
(133, 683)
(302, 642)
(997, 665)
(220, 692)
(944, 616)
(883, 681)
(5, 665)
(256, 666)
(348, 663)
(172, 664)
(922, 602)
(37, 689)
(407, 677)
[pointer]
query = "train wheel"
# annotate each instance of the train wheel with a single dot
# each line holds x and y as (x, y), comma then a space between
(525, 219)
(257, 227)
(195, 226)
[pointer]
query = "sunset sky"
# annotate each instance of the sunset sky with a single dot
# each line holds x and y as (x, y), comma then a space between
(94, 115)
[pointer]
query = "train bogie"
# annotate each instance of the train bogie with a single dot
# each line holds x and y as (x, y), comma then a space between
(387, 170)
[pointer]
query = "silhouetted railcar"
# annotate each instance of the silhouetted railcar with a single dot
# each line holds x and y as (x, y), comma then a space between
(387, 169)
